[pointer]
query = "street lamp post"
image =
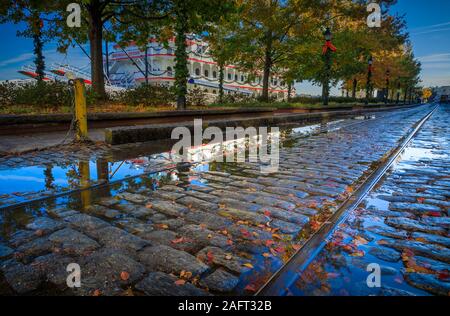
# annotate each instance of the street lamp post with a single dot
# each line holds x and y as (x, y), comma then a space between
(388, 74)
(327, 50)
(369, 79)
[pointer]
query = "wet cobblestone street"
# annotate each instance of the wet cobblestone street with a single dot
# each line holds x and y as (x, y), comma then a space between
(403, 226)
(225, 228)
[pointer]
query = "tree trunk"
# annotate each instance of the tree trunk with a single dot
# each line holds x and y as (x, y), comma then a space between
(96, 48)
(289, 91)
(221, 77)
(267, 67)
(355, 86)
(181, 56)
(405, 95)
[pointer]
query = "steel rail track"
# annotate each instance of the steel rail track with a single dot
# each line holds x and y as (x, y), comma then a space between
(281, 280)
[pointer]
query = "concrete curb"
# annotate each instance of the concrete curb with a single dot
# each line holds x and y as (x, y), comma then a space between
(143, 133)
(62, 118)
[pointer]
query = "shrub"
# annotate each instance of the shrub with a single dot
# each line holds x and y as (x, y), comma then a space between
(44, 94)
(147, 95)
(196, 97)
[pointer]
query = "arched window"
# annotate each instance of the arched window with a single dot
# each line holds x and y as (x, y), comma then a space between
(169, 71)
(206, 73)
(214, 74)
(197, 71)
(235, 77)
(242, 78)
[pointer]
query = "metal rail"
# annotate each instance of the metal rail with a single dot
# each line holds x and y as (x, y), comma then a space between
(278, 284)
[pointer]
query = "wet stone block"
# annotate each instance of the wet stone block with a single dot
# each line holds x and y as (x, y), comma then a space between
(211, 221)
(22, 278)
(36, 247)
(168, 207)
(385, 254)
(203, 196)
(413, 225)
(419, 248)
(193, 202)
(217, 256)
(85, 222)
(22, 236)
(117, 238)
(45, 225)
(204, 236)
(244, 216)
(388, 231)
(288, 216)
(167, 195)
(134, 226)
(416, 208)
(434, 239)
(162, 237)
(5, 251)
(161, 284)
(169, 260)
(133, 198)
(109, 269)
(53, 268)
(428, 282)
(61, 212)
(220, 281)
(73, 242)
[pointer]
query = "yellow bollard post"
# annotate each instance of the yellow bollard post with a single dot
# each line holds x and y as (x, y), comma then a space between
(80, 110)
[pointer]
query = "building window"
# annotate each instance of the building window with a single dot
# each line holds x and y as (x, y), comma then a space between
(242, 78)
(214, 91)
(235, 77)
(169, 71)
(229, 76)
(206, 73)
(169, 51)
(214, 74)
(197, 71)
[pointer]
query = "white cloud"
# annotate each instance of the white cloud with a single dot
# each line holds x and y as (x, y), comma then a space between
(435, 58)
(18, 59)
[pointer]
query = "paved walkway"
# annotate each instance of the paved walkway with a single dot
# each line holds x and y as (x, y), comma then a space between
(212, 229)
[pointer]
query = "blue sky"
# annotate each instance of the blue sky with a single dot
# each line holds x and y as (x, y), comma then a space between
(428, 24)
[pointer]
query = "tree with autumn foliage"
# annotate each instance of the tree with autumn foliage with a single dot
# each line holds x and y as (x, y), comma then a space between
(181, 18)
(31, 12)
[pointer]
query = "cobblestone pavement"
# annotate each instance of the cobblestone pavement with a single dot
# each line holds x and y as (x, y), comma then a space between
(403, 226)
(212, 228)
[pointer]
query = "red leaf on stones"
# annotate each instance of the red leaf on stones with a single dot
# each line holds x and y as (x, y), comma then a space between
(250, 288)
(229, 242)
(97, 293)
(267, 213)
(245, 233)
(434, 214)
(444, 275)
(124, 276)
(180, 282)
(419, 190)
(421, 200)
(177, 241)
(269, 242)
(210, 257)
